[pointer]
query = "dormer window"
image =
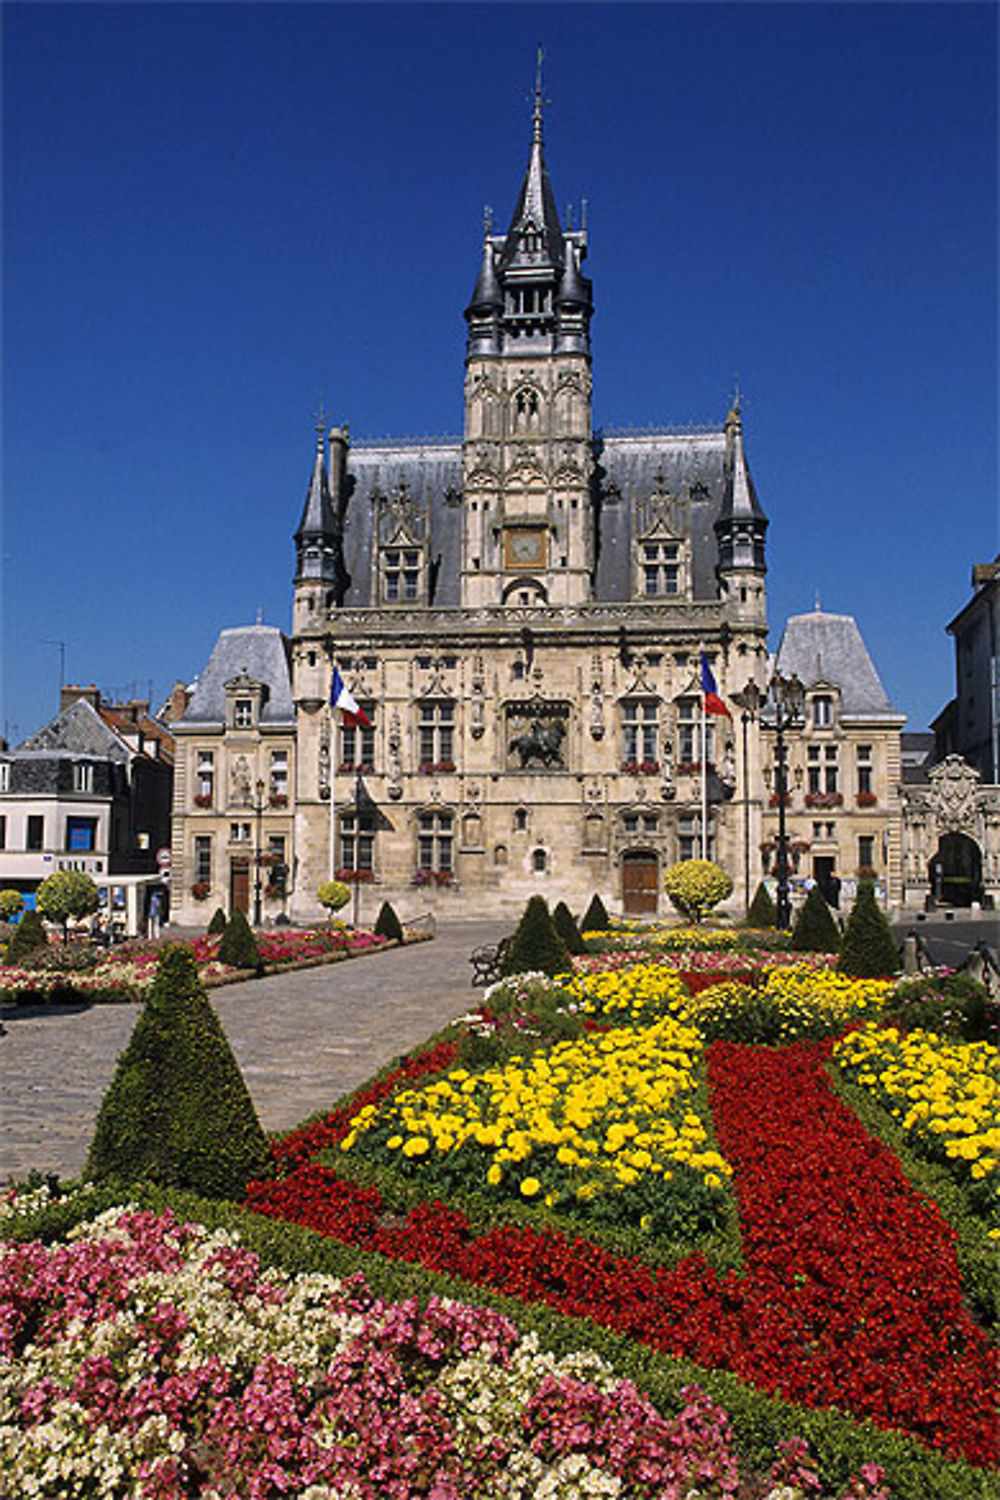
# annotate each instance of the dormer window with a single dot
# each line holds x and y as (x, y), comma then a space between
(83, 777)
(243, 714)
(661, 566)
(822, 711)
(401, 575)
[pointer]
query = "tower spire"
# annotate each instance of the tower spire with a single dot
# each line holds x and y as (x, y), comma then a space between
(536, 135)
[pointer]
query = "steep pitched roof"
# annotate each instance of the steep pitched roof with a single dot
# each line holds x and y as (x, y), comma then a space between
(78, 729)
(260, 651)
(828, 648)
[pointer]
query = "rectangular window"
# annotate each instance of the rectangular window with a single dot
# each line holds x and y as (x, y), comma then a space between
(243, 714)
(239, 833)
(434, 843)
(865, 770)
(401, 575)
(866, 851)
(81, 834)
(660, 572)
(357, 841)
(35, 835)
(357, 742)
(822, 711)
(279, 776)
(83, 777)
(689, 733)
(4, 775)
(3, 831)
(437, 735)
(640, 730)
(205, 774)
(203, 858)
(830, 769)
(689, 837)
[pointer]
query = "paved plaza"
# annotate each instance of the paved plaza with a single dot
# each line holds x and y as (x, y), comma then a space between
(303, 1040)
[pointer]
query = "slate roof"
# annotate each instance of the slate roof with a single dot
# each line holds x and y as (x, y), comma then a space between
(824, 647)
(262, 652)
(77, 730)
(687, 464)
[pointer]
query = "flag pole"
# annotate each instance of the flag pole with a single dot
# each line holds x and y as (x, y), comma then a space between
(704, 779)
(329, 780)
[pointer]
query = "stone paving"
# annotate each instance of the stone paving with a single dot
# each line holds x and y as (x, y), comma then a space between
(303, 1040)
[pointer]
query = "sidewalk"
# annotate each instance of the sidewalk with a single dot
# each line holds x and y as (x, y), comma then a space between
(302, 1039)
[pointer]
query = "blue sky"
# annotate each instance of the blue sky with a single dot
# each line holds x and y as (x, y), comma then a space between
(218, 216)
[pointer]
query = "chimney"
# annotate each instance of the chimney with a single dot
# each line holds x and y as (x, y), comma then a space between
(72, 691)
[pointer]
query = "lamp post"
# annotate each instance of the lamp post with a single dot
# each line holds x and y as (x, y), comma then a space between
(258, 808)
(786, 696)
(749, 702)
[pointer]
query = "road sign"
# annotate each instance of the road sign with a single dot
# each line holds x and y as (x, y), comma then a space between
(163, 858)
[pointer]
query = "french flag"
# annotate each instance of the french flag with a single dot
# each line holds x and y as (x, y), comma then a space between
(713, 703)
(341, 697)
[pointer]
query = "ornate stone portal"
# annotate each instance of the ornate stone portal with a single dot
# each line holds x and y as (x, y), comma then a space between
(952, 802)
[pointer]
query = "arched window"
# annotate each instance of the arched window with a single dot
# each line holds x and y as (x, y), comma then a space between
(539, 861)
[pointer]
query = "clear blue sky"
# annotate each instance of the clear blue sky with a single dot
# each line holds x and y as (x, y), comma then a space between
(216, 216)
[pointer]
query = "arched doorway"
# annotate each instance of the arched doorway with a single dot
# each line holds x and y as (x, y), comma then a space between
(956, 871)
(640, 883)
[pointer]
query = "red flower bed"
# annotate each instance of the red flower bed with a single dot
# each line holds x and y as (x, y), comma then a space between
(852, 1294)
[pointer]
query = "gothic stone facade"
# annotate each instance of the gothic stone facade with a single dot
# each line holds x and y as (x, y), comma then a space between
(521, 613)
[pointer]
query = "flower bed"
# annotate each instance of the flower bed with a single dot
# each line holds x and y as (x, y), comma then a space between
(822, 1314)
(946, 1096)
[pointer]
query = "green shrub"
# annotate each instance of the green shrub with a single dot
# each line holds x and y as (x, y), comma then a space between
(868, 949)
(218, 922)
(66, 896)
(562, 921)
(178, 1112)
(695, 886)
(762, 912)
(29, 935)
(11, 903)
(536, 945)
(387, 924)
(238, 946)
(815, 930)
(954, 1005)
(595, 918)
(333, 894)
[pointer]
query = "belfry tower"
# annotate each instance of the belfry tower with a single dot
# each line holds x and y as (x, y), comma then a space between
(528, 536)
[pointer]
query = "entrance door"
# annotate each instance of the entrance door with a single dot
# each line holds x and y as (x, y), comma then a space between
(239, 888)
(640, 884)
(956, 871)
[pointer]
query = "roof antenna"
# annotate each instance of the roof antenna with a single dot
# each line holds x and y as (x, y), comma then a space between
(260, 616)
(816, 602)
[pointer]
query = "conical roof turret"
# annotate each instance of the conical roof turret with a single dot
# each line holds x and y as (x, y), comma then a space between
(741, 524)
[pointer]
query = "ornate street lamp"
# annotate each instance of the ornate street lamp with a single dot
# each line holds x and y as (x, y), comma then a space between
(749, 702)
(785, 700)
(258, 808)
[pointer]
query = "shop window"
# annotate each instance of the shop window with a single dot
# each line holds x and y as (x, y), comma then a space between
(81, 834)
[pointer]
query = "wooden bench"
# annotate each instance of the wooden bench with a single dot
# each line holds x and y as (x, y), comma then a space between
(486, 962)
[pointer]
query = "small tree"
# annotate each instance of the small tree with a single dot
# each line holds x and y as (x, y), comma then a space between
(695, 886)
(536, 945)
(595, 918)
(29, 934)
(238, 946)
(562, 921)
(333, 894)
(868, 949)
(218, 922)
(387, 924)
(178, 1112)
(11, 902)
(763, 912)
(815, 930)
(66, 896)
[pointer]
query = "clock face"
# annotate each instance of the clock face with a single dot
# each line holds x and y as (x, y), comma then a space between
(525, 549)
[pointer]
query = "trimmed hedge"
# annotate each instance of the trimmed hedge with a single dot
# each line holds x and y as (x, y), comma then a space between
(762, 912)
(868, 949)
(815, 930)
(238, 946)
(595, 918)
(565, 926)
(387, 924)
(536, 945)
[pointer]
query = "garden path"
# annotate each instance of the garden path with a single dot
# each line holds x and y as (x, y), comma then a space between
(302, 1039)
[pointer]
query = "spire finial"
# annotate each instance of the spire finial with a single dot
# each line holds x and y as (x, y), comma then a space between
(733, 419)
(539, 101)
(487, 221)
(320, 424)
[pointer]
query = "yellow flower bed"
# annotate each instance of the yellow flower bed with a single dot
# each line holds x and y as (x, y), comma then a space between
(635, 993)
(945, 1094)
(589, 1116)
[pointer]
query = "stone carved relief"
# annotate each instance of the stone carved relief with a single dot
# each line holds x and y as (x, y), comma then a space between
(240, 781)
(394, 764)
(537, 733)
(324, 765)
(953, 794)
(477, 702)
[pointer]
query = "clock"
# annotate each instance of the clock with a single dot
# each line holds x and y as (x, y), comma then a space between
(525, 547)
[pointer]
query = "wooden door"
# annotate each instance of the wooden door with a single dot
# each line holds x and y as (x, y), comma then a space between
(640, 884)
(239, 888)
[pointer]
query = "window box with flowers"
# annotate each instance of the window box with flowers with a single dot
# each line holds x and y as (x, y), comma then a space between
(433, 877)
(641, 767)
(866, 799)
(867, 872)
(430, 767)
(278, 799)
(201, 890)
(355, 877)
(203, 799)
(688, 767)
(776, 800)
(824, 799)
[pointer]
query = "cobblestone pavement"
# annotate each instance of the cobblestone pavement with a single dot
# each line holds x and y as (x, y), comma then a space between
(302, 1039)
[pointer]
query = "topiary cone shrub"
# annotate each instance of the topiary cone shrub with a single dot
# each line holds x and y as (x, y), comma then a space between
(695, 886)
(387, 924)
(763, 912)
(238, 946)
(815, 930)
(868, 949)
(595, 918)
(178, 1112)
(536, 946)
(218, 922)
(565, 926)
(29, 934)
